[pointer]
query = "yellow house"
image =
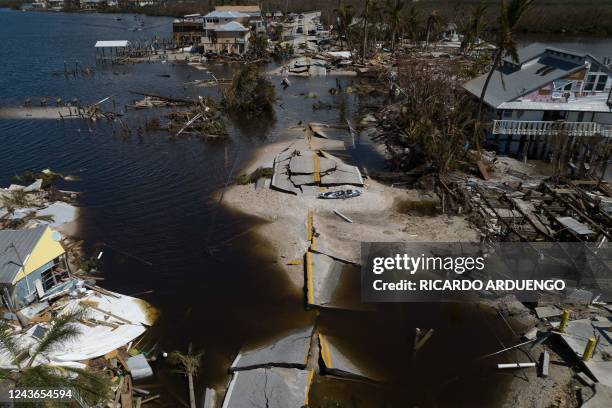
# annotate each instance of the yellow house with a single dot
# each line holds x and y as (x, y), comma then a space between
(31, 262)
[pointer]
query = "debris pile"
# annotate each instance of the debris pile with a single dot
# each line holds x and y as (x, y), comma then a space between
(38, 203)
(516, 206)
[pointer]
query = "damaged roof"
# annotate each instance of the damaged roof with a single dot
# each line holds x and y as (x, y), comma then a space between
(538, 65)
(15, 247)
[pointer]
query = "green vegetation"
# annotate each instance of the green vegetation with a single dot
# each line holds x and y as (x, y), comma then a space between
(433, 123)
(258, 46)
(244, 179)
(250, 92)
(28, 177)
(510, 14)
(93, 387)
(13, 4)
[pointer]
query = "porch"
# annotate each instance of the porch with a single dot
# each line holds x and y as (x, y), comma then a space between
(550, 128)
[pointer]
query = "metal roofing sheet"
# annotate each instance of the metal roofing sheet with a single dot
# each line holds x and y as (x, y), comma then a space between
(15, 246)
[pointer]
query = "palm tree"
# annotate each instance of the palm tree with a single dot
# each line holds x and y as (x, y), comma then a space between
(509, 17)
(345, 19)
(377, 18)
(433, 22)
(189, 365)
(411, 22)
(366, 10)
(474, 27)
(394, 10)
(92, 386)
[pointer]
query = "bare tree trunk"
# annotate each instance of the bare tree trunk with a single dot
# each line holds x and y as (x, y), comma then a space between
(192, 401)
(365, 32)
(482, 96)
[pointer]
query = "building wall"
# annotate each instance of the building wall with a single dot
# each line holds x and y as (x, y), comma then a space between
(45, 251)
(232, 42)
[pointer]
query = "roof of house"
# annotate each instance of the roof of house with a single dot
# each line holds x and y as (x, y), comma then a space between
(227, 14)
(537, 66)
(24, 242)
(232, 26)
(535, 49)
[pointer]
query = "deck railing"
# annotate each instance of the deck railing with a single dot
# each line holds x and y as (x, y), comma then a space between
(550, 128)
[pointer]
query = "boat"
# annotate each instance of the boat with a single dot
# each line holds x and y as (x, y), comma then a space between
(343, 194)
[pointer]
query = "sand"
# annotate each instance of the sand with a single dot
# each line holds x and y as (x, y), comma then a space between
(376, 215)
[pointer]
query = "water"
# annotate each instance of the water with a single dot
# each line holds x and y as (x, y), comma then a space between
(598, 47)
(147, 204)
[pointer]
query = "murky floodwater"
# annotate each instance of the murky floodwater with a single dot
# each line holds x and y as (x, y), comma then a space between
(146, 204)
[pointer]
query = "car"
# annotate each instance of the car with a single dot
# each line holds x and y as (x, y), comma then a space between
(299, 30)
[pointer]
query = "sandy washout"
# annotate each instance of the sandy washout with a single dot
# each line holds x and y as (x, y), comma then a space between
(377, 214)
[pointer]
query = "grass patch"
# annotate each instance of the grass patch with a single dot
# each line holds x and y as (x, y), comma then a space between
(265, 172)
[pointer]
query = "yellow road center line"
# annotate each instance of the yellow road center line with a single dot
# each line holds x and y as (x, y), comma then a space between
(309, 294)
(316, 164)
(325, 351)
(309, 226)
(308, 384)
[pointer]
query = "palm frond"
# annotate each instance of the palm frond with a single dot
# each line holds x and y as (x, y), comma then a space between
(94, 387)
(8, 343)
(189, 362)
(516, 9)
(63, 329)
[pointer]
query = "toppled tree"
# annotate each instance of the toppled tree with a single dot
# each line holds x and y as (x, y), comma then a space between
(250, 92)
(203, 120)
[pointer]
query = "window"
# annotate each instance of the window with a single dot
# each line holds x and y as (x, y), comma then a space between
(601, 83)
(590, 83)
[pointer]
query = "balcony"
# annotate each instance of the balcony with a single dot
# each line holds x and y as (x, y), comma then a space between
(550, 128)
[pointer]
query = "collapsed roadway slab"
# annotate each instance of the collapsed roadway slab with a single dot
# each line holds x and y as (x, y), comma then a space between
(288, 350)
(275, 387)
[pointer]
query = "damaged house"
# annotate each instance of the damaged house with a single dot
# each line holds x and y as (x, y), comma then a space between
(32, 261)
(548, 91)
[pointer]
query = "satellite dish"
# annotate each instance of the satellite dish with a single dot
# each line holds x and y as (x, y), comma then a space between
(56, 236)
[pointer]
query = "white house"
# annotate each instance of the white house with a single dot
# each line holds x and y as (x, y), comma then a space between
(225, 31)
(547, 91)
